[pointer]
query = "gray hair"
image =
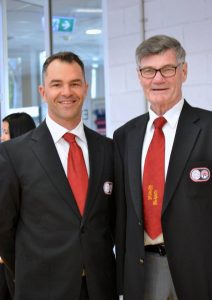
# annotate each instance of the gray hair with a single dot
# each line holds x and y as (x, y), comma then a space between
(159, 44)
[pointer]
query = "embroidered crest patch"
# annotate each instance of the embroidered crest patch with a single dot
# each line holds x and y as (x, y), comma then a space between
(200, 174)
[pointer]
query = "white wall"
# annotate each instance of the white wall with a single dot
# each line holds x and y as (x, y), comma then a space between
(189, 21)
(124, 99)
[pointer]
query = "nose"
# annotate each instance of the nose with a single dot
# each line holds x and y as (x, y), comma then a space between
(158, 77)
(67, 90)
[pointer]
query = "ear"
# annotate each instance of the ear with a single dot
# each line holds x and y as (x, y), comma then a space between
(139, 74)
(41, 90)
(185, 71)
(140, 78)
(86, 88)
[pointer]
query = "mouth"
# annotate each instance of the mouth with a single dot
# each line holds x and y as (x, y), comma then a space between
(67, 101)
(159, 89)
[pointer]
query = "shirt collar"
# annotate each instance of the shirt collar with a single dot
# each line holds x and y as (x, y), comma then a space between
(57, 131)
(172, 115)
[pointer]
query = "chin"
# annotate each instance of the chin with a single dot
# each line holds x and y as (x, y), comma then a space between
(159, 100)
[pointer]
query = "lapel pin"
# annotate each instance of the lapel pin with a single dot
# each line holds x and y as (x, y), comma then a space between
(108, 187)
(200, 174)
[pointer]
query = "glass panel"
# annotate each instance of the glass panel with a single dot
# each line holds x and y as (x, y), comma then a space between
(25, 44)
(72, 20)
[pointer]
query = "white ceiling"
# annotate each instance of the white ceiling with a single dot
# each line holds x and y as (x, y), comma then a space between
(26, 30)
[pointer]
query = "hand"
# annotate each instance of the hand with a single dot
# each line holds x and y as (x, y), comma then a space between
(1, 260)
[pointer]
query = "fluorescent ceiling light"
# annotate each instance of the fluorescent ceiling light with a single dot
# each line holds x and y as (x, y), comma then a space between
(93, 31)
(88, 10)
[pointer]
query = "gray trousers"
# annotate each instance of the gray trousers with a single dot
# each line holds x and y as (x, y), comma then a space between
(158, 281)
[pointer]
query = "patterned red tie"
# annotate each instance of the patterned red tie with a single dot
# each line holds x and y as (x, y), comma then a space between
(154, 180)
(77, 172)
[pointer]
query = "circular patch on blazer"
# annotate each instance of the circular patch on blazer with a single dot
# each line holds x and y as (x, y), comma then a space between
(200, 174)
(108, 187)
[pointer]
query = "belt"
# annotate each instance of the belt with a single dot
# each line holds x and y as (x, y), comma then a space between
(158, 248)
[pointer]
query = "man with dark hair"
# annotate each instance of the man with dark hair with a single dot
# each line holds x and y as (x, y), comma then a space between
(56, 211)
(163, 167)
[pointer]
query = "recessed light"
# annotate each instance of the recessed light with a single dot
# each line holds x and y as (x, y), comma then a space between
(88, 10)
(93, 31)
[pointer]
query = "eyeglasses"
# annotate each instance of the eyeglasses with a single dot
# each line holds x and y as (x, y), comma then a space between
(166, 71)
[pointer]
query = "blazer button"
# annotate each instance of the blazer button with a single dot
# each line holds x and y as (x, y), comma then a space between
(141, 261)
(139, 223)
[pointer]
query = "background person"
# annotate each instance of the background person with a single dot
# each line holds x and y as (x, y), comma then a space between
(4, 289)
(163, 167)
(16, 124)
(60, 246)
(13, 125)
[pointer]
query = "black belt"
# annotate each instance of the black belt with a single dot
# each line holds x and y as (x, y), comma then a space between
(158, 248)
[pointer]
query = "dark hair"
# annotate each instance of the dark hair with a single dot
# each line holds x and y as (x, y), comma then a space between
(68, 57)
(19, 123)
(158, 44)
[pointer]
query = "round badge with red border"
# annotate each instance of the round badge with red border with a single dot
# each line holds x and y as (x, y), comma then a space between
(200, 174)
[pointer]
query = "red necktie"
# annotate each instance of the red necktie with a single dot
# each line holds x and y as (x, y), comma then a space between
(76, 172)
(154, 180)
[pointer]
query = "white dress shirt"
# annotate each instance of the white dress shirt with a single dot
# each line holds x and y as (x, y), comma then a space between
(62, 146)
(169, 130)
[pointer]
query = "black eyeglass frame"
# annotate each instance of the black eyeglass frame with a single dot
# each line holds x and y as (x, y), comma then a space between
(159, 70)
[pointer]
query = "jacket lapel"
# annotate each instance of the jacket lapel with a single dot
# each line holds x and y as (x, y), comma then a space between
(134, 142)
(96, 161)
(185, 139)
(46, 153)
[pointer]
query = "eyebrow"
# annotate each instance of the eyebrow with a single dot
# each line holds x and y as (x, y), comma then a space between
(59, 80)
(150, 67)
